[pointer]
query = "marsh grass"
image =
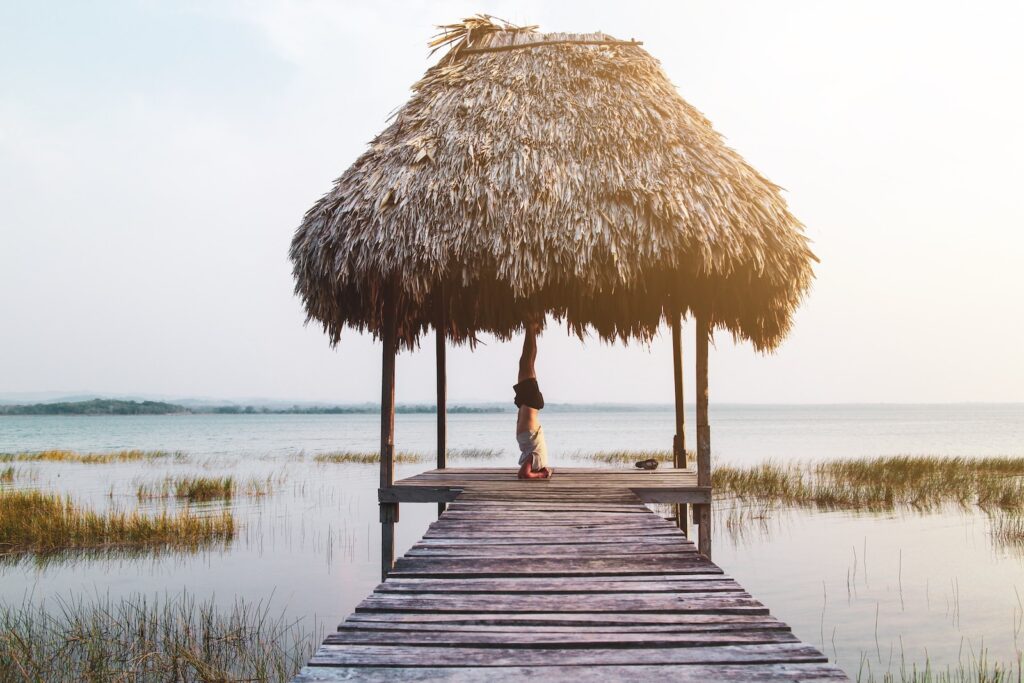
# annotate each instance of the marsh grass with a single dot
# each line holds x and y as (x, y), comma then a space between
(7, 475)
(46, 523)
(882, 483)
(257, 487)
(626, 457)
(476, 453)
(90, 458)
(142, 639)
(191, 489)
(971, 669)
(1008, 529)
(366, 457)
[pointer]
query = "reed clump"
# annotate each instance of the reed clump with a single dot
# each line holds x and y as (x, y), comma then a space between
(56, 455)
(143, 639)
(7, 475)
(366, 457)
(41, 522)
(191, 489)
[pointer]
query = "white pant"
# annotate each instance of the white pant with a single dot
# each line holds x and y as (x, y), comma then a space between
(532, 445)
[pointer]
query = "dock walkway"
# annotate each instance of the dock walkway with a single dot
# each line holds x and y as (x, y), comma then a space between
(572, 579)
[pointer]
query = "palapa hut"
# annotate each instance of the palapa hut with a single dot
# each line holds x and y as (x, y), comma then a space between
(549, 173)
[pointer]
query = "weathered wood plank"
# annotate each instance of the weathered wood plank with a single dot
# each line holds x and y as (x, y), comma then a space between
(575, 620)
(694, 673)
(378, 655)
(706, 602)
(568, 640)
(564, 550)
(553, 585)
(596, 566)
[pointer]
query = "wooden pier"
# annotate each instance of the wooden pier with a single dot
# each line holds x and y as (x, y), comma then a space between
(569, 579)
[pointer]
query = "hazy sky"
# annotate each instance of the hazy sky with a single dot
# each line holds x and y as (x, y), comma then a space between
(155, 159)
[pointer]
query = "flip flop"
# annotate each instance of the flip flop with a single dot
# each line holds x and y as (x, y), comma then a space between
(649, 464)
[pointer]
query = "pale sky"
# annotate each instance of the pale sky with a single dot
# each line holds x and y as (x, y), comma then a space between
(156, 157)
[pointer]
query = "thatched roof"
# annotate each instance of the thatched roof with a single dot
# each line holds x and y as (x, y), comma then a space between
(550, 173)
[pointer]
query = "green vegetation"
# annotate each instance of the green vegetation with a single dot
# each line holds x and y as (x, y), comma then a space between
(89, 458)
(625, 457)
(192, 489)
(202, 489)
(142, 640)
(476, 453)
(103, 406)
(971, 669)
(42, 522)
(881, 483)
(366, 457)
(97, 406)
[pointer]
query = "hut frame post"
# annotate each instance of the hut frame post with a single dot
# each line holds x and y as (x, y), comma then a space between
(388, 511)
(441, 326)
(679, 439)
(703, 512)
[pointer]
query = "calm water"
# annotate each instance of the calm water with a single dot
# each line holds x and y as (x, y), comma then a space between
(870, 590)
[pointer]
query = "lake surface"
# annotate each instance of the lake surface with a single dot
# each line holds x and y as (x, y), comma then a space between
(873, 591)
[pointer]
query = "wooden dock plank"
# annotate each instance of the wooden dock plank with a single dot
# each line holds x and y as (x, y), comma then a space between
(756, 673)
(569, 579)
(402, 655)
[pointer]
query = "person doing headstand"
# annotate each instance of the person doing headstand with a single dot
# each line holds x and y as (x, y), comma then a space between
(533, 458)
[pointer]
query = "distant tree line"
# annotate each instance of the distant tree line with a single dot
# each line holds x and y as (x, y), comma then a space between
(116, 407)
(96, 406)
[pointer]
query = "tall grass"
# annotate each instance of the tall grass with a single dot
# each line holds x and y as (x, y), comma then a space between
(626, 457)
(88, 458)
(195, 489)
(476, 453)
(971, 669)
(191, 489)
(42, 522)
(7, 475)
(141, 639)
(366, 457)
(881, 483)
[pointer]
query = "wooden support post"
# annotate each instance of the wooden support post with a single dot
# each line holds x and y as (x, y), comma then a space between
(388, 519)
(703, 435)
(441, 326)
(388, 511)
(679, 440)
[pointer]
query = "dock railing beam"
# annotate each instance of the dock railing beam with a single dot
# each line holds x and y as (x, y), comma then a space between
(679, 440)
(388, 511)
(703, 512)
(441, 326)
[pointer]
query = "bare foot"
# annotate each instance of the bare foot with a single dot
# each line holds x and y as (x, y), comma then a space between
(527, 472)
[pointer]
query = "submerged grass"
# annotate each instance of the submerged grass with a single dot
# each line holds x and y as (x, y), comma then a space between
(191, 489)
(881, 483)
(366, 457)
(200, 489)
(88, 458)
(41, 522)
(626, 457)
(971, 669)
(142, 639)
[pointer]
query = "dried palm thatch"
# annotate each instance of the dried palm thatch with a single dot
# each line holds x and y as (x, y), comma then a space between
(553, 173)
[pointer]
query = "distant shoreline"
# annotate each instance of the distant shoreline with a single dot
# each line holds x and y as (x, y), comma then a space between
(100, 407)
